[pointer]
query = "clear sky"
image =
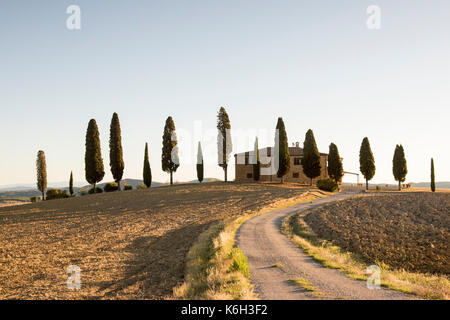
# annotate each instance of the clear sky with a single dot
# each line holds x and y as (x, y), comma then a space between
(314, 63)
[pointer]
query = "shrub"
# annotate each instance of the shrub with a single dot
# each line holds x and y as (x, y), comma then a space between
(111, 186)
(141, 186)
(378, 188)
(34, 199)
(327, 185)
(57, 194)
(97, 190)
(128, 187)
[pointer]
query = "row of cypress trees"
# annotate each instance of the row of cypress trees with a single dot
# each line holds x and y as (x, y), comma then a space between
(399, 164)
(94, 168)
(368, 168)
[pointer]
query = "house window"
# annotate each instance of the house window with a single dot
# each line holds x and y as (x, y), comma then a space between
(295, 175)
(297, 161)
(246, 161)
(249, 175)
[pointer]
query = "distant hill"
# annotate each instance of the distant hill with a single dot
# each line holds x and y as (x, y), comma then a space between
(25, 191)
(439, 185)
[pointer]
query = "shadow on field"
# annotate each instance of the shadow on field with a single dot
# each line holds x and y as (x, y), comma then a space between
(154, 263)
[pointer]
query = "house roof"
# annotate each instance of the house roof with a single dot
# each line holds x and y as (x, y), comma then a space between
(293, 151)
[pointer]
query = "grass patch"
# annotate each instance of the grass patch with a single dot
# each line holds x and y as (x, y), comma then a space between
(305, 284)
(215, 268)
(240, 262)
(427, 286)
(277, 265)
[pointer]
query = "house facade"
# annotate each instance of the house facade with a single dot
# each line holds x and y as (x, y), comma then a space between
(244, 166)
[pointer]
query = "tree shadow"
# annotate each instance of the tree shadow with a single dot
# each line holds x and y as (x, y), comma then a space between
(156, 266)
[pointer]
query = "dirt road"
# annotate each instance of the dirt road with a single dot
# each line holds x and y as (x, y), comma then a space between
(263, 243)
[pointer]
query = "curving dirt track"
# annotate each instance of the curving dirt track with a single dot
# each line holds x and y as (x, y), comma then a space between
(263, 243)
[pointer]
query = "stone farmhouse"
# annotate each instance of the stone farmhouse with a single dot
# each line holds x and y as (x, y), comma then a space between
(244, 166)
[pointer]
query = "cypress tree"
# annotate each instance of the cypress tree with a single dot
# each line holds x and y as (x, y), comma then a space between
(41, 168)
(399, 167)
(115, 150)
(169, 157)
(71, 184)
(311, 157)
(200, 163)
(335, 168)
(224, 144)
(283, 160)
(366, 161)
(256, 162)
(147, 170)
(93, 158)
(433, 183)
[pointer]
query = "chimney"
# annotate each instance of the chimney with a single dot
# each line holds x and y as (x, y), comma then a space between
(297, 144)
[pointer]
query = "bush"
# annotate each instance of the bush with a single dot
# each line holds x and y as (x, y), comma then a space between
(327, 185)
(56, 194)
(141, 186)
(111, 186)
(97, 190)
(35, 199)
(128, 187)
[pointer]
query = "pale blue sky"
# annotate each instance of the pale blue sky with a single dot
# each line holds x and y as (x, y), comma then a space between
(315, 63)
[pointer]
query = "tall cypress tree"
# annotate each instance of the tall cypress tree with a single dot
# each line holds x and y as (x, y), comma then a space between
(115, 150)
(311, 157)
(93, 157)
(147, 170)
(283, 160)
(366, 161)
(433, 183)
(71, 184)
(399, 167)
(335, 168)
(224, 144)
(169, 157)
(256, 162)
(41, 168)
(200, 163)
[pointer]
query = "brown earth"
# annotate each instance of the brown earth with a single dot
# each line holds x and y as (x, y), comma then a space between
(128, 245)
(409, 231)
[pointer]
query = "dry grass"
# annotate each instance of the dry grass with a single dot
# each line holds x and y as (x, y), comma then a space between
(334, 248)
(128, 245)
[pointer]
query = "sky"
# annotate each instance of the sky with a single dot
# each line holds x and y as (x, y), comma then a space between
(316, 63)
